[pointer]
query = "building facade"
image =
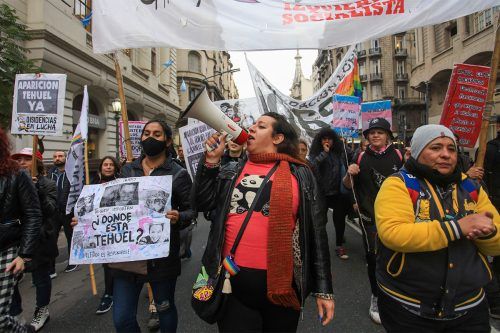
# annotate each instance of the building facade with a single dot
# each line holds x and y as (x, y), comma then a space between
(384, 67)
(62, 43)
(302, 87)
(469, 40)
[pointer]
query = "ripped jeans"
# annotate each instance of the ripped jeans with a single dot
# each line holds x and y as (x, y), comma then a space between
(126, 296)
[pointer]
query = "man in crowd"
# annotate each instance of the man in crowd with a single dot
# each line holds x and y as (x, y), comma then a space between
(57, 174)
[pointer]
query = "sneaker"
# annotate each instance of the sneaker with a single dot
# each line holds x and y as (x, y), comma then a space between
(154, 321)
(341, 253)
(374, 315)
(40, 318)
(53, 275)
(105, 305)
(70, 268)
(495, 312)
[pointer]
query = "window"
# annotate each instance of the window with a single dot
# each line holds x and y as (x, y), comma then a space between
(359, 46)
(482, 20)
(82, 9)
(399, 42)
(402, 92)
(193, 92)
(362, 68)
(375, 43)
(375, 64)
(153, 61)
(376, 91)
(400, 67)
(194, 62)
(365, 93)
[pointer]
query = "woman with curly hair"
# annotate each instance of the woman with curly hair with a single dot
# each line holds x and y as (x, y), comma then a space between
(20, 221)
(329, 163)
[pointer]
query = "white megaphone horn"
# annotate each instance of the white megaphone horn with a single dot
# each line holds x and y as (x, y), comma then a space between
(204, 110)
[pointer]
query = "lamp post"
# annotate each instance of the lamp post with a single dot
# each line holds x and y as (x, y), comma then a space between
(220, 73)
(117, 108)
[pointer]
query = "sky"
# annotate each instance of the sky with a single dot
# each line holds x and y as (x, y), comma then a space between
(277, 66)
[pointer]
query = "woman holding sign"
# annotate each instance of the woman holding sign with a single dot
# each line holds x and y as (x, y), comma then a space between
(268, 231)
(162, 273)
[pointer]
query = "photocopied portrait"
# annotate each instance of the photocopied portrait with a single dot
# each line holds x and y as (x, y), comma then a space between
(155, 231)
(85, 205)
(157, 201)
(120, 195)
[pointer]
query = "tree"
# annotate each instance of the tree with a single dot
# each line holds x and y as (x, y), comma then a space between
(13, 59)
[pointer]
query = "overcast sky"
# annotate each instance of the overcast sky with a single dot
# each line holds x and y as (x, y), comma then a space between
(277, 66)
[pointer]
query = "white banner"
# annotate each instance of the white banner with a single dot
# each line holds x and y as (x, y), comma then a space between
(193, 137)
(38, 106)
(306, 116)
(75, 160)
(263, 24)
(122, 220)
(135, 129)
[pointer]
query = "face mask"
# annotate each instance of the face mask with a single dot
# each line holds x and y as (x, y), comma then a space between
(153, 147)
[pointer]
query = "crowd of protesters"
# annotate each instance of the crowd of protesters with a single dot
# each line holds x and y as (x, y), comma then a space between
(428, 217)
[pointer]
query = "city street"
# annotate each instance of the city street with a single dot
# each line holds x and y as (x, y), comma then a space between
(72, 308)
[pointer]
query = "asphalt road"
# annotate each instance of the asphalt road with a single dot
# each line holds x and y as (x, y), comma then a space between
(73, 306)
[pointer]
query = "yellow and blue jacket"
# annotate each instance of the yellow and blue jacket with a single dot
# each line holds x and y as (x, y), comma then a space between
(423, 260)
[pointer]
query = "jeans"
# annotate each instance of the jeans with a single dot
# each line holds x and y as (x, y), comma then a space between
(126, 296)
(43, 285)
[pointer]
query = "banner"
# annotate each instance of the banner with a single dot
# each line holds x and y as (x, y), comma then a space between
(75, 160)
(263, 24)
(244, 111)
(346, 115)
(38, 107)
(135, 129)
(122, 220)
(379, 109)
(465, 101)
(310, 115)
(193, 137)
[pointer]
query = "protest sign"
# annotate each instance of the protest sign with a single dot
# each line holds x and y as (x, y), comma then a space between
(346, 115)
(135, 129)
(38, 107)
(263, 24)
(244, 112)
(465, 102)
(193, 137)
(379, 109)
(122, 220)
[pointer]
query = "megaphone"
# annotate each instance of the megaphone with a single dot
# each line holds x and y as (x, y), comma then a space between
(204, 110)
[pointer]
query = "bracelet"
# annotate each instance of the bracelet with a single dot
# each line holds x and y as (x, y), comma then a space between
(25, 260)
(324, 296)
(212, 165)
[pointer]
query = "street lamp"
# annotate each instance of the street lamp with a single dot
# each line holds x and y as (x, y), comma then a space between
(220, 73)
(116, 105)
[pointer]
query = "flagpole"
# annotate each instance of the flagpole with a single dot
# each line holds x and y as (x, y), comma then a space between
(490, 103)
(34, 169)
(87, 182)
(126, 131)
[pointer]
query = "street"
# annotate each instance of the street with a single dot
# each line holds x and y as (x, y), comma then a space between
(72, 307)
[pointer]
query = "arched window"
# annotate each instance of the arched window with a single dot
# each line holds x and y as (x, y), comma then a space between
(194, 62)
(77, 105)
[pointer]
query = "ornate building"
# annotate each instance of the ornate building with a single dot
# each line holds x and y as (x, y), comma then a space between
(302, 87)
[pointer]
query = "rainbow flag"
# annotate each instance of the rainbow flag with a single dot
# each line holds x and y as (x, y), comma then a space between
(351, 84)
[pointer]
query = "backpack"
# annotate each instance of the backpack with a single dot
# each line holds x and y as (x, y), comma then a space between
(361, 154)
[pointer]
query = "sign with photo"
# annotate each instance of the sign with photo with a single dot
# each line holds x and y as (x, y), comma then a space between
(135, 129)
(244, 111)
(122, 220)
(38, 106)
(193, 139)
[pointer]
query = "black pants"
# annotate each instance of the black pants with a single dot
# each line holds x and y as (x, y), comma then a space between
(249, 310)
(340, 205)
(64, 221)
(108, 280)
(369, 233)
(395, 318)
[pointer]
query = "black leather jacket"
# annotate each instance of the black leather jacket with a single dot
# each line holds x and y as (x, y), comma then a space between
(212, 191)
(19, 201)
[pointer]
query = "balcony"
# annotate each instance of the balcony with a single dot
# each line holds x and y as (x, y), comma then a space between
(408, 101)
(375, 77)
(361, 53)
(400, 53)
(363, 77)
(402, 77)
(375, 51)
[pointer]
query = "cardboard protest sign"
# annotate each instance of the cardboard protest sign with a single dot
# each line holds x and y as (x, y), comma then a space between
(193, 139)
(38, 107)
(346, 115)
(122, 220)
(379, 109)
(135, 129)
(465, 102)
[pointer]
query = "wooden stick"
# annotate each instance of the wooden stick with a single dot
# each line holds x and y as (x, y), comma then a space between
(126, 131)
(87, 182)
(483, 136)
(34, 169)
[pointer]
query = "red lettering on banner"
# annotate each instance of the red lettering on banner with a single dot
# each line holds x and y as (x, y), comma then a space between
(287, 19)
(400, 7)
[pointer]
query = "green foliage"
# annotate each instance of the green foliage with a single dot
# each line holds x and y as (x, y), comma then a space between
(12, 59)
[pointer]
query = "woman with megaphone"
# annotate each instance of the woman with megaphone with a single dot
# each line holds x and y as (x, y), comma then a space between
(268, 232)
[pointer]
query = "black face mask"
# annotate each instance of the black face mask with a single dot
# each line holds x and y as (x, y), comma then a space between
(153, 147)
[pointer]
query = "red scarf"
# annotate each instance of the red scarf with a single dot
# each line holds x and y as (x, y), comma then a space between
(281, 225)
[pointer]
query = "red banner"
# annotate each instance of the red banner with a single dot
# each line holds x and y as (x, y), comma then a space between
(465, 102)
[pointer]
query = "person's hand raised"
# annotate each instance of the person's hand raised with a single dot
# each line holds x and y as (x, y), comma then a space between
(215, 147)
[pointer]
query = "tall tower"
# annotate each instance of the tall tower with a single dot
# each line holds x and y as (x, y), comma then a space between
(296, 90)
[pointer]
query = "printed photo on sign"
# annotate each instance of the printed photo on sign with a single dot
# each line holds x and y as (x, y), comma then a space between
(123, 220)
(38, 107)
(193, 139)
(244, 111)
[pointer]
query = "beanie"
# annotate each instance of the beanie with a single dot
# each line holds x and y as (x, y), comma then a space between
(426, 134)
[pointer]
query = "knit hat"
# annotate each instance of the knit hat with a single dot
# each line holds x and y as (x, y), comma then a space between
(426, 134)
(378, 123)
(27, 152)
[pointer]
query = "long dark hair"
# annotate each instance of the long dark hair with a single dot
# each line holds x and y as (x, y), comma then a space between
(7, 165)
(166, 129)
(317, 147)
(290, 144)
(115, 164)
